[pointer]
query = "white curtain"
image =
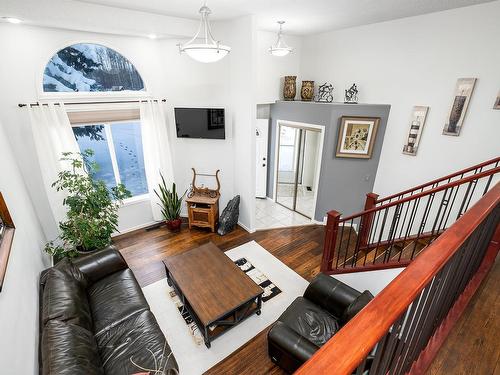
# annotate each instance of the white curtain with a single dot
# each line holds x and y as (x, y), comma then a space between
(52, 135)
(156, 148)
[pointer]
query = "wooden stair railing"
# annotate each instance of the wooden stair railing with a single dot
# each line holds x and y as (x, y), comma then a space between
(475, 169)
(392, 234)
(401, 329)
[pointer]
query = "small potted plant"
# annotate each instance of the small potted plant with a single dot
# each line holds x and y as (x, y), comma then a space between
(92, 208)
(170, 205)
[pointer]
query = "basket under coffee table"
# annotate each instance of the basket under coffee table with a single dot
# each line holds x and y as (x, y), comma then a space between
(217, 294)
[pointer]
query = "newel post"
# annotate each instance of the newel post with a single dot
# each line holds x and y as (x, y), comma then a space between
(332, 227)
(367, 219)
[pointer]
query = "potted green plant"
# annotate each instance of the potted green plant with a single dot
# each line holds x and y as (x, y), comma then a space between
(170, 204)
(92, 208)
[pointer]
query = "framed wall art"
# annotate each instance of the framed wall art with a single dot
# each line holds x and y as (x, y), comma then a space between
(357, 136)
(497, 102)
(417, 122)
(463, 93)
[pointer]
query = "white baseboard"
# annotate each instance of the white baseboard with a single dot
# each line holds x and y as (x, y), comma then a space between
(319, 222)
(246, 228)
(128, 230)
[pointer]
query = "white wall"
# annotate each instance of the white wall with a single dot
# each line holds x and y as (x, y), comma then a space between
(19, 296)
(416, 61)
(26, 50)
(241, 34)
(373, 281)
(272, 69)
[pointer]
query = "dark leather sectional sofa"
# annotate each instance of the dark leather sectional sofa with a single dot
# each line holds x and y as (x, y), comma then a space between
(94, 319)
(310, 321)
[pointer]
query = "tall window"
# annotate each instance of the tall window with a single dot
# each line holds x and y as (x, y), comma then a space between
(113, 135)
(89, 67)
(117, 149)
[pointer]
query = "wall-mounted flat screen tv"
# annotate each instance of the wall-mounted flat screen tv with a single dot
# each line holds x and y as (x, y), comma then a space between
(206, 123)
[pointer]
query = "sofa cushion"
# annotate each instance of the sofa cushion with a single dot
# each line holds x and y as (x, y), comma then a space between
(356, 306)
(114, 299)
(65, 299)
(68, 349)
(310, 321)
(137, 339)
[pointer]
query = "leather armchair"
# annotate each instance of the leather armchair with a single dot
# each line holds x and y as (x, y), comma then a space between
(310, 321)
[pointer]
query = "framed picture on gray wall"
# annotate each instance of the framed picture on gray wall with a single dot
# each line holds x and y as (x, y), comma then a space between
(461, 99)
(357, 136)
(417, 122)
(497, 102)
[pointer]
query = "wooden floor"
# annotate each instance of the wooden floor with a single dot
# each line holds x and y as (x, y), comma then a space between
(472, 348)
(300, 248)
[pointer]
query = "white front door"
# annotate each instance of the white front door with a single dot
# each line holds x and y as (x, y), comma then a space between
(261, 133)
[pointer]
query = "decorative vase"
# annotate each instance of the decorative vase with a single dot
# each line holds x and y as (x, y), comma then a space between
(174, 225)
(307, 91)
(289, 88)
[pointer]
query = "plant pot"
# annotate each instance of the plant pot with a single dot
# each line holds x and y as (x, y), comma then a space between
(174, 225)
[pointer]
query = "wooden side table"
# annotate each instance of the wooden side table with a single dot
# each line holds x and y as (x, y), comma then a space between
(203, 211)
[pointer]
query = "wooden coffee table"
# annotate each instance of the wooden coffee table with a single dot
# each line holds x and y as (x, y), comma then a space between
(217, 294)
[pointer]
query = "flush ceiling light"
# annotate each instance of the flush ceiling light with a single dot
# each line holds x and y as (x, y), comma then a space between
(280, 48)
(12, 20)
(207, 50)
(152, 36)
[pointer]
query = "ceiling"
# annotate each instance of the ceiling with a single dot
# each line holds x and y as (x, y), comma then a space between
(178, 18)
(302, 16)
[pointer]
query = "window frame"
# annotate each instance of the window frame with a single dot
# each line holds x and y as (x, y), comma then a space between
(6, 239)
(112, 154)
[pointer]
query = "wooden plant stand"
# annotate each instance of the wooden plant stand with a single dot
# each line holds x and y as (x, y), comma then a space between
(203, 204)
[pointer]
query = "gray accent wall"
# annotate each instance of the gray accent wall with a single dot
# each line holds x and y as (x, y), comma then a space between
(343, 182)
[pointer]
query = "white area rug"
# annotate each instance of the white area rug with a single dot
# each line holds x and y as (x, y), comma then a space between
(195, 359)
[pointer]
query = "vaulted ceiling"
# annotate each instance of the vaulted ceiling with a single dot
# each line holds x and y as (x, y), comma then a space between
(301, 16)
(170, 17)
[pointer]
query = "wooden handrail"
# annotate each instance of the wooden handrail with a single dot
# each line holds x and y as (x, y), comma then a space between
(438, 180)
(352, 344)
(425, 193)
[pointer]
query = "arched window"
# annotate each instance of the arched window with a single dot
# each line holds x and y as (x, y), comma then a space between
(86, 67)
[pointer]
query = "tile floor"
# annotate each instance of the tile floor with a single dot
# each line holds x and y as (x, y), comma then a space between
(272, 215)
(305, 198)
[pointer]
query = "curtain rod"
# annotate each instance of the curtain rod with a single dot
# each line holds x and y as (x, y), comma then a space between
(20, 105)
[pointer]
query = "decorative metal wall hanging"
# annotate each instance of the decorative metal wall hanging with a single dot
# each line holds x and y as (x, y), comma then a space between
(351, 95)
(463, 93)
(418, 117)
(290, 88)
(325, 93)
(307, 91)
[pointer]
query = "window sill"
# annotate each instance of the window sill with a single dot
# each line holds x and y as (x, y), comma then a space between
(135, 200)
(5, 246)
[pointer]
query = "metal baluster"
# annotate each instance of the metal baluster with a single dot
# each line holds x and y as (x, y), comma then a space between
(487, 187)
(340, 245)
(451, 207)
(392, 232)
(380, 236)
(444, 203)
(423, 222)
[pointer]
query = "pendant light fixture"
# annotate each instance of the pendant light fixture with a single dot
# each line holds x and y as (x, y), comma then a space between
(280, 48)
(207, 49)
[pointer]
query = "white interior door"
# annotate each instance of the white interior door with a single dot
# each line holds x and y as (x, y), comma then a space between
(261, 133)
